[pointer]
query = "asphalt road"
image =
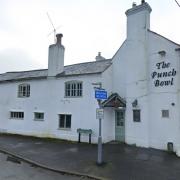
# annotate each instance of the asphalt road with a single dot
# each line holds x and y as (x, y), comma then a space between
(10, 170)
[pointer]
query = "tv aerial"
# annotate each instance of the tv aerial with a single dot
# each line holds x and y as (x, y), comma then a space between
(177, 3)
(54, 29)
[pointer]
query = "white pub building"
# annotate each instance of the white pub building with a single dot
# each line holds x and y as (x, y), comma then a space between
(142, 81)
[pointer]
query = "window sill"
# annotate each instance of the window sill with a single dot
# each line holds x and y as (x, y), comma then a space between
(17, 118)
(73, 96)
(65, 129)
(38, 119)
(23, 96)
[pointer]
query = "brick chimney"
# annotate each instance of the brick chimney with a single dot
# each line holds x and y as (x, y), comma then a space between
(56, 57)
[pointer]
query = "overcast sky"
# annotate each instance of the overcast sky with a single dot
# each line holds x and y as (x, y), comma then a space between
(88, 26)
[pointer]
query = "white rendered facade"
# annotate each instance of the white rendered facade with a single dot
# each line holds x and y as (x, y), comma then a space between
(144, 70)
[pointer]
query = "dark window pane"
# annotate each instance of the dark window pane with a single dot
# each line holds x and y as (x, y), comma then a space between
(119, 118)
(67, 90)
(165, 113)
(62, 121)
(136, 115)
(118, 122)
(121, 115)
(121, 123)
(28, 90)
(24, 91)
(72, 90)
(68, 121)
(39, 115)
(79, 89)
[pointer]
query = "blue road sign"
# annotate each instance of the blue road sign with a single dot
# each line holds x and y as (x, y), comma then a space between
(100, 94)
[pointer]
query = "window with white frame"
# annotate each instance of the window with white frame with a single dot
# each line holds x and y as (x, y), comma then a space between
(16, 115)
(165, 113)
(136, 115)
(65, 121)
(38, 116)
(24, 90)
(73, 89)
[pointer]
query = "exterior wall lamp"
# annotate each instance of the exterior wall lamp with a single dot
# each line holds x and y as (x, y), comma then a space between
(162, 53)
(135, 103)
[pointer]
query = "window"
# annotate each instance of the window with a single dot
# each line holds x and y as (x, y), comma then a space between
(119, 118)
(24, 90)
(136, 115)
(38, 116)
(165, 113)
(73, 89)
(16, 115)
(65, 121)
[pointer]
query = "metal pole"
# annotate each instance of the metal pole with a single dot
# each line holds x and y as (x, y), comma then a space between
(99, 159)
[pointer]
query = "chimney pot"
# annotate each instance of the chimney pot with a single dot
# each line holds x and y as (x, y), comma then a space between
(59, 38)
(143, 1)
(99, 57)
(134, 4)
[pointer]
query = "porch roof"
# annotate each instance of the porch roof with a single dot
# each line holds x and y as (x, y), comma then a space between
(114, 100)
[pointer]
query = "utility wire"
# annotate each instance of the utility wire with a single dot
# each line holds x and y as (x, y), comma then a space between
(177, 3)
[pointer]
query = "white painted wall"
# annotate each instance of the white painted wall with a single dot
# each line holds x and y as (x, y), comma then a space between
(119, 70)
(133, 65)
(130, 73)
(163, 130)
(108, 123)
(48, 96)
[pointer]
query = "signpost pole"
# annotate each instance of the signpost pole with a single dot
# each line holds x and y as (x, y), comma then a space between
(99, 159)
(100, 94)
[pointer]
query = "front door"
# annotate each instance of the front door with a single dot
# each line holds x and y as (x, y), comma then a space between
(119, 125)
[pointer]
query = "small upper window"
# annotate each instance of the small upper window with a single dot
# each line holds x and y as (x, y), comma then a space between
(24, 90)
(165, 113)
(136, 115)
(16, 115)
(38, 116)
(73, 89)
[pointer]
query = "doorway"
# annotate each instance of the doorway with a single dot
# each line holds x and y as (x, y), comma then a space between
(120, 125)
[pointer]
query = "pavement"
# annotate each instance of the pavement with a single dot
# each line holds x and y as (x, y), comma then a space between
(12, 169)
(121, 161)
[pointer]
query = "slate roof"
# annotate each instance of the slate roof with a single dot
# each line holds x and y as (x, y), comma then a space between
(93, 67)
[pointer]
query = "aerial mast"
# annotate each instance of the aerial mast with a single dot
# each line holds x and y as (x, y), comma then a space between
(54, 29)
